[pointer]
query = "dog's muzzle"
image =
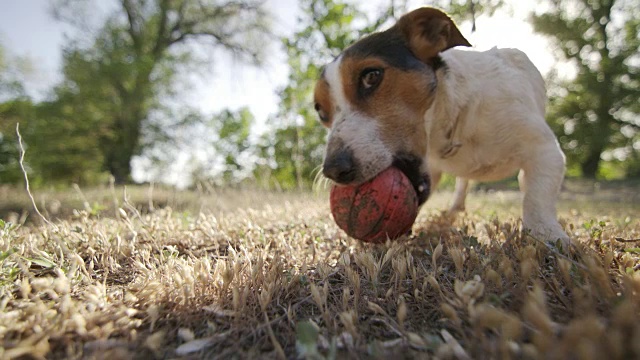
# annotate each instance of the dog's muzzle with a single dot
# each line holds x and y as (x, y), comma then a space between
(340, 167)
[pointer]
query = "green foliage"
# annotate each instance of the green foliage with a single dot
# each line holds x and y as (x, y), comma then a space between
(595, 228)
(57, 139)
(63, 142)
(233, 144)
(14, 105)
(307, 333)
(9, 270)
(223, 148)
(596, 113)
(10, 113)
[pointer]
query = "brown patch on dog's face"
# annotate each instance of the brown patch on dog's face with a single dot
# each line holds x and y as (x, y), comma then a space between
(323, 103)
(396, 100)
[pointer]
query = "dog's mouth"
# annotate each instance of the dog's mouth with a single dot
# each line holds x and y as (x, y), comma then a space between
(410, 166)
(342, 168)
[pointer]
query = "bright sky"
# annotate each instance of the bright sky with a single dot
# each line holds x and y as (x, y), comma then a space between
(28, 29)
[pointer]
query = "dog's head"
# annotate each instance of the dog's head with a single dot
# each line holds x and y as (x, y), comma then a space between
(374, 95)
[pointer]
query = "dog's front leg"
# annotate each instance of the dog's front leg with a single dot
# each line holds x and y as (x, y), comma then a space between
(434, 176)
(540, 180)
(459, 195)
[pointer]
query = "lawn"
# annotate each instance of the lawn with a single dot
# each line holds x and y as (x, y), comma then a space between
(238, 274)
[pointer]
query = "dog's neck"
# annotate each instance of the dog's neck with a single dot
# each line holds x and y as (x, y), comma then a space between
(451, 92)
(444, 116)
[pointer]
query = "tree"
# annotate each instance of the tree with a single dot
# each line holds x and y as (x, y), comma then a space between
(233, 146)
(130, 68)
(56, 133)
(220, 148)
(597, 112)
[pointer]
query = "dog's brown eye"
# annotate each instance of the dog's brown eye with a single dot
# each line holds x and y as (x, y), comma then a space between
(371, 78)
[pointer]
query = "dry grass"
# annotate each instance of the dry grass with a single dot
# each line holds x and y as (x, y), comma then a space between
(270, 276)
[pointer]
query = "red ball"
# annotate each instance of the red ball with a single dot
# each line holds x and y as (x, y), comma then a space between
(380, 209)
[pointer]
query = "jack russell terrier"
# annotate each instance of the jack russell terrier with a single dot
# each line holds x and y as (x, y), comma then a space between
(401, 98)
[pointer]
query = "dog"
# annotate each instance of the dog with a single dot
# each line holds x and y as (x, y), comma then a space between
(403, 97)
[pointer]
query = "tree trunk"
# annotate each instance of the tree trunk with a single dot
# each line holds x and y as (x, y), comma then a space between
(119, 151)
(127, 128)
(598, 140)
(591, 164)
(118, 154)
(120, 169)
(602, 134)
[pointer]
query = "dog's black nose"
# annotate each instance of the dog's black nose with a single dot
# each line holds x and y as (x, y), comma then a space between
(340, 167)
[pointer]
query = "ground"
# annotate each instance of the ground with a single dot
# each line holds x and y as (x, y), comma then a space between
(251, 274)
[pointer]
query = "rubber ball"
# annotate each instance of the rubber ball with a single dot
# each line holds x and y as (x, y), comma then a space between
(380, 209)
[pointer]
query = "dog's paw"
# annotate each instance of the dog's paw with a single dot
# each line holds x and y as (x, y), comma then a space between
(563, 244)
(555, 238)
(455, 209)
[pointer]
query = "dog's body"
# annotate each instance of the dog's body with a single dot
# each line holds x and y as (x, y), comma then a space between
(398, 98)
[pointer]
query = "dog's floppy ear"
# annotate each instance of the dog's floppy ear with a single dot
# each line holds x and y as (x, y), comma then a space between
(429, 31)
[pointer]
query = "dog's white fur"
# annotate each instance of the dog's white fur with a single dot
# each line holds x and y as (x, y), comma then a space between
(493, 104)
(487, 121)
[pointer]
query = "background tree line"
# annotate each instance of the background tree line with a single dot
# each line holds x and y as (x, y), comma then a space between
(115, 99)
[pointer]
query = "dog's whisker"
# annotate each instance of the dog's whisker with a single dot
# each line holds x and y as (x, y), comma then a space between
(320, 182)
